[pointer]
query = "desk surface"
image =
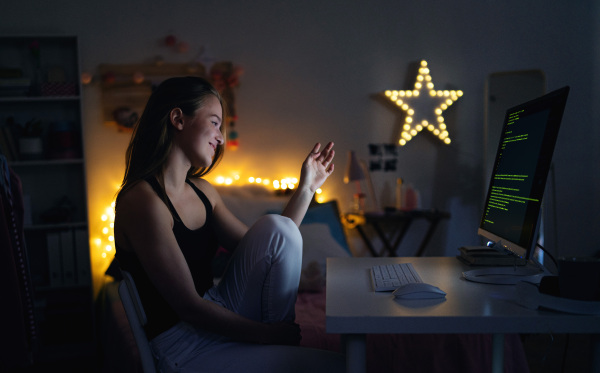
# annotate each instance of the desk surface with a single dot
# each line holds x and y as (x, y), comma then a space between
(354, 308)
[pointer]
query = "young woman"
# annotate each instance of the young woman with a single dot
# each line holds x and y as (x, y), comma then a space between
(169, 223)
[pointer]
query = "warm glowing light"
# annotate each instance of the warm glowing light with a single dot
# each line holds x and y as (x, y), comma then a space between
(105, 243)
(413, 123)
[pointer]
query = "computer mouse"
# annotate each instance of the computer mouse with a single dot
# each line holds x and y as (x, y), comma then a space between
(418, 290)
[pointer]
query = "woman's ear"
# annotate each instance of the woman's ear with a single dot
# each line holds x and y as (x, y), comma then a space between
(176, 118)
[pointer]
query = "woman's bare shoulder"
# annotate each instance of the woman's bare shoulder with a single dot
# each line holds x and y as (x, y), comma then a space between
(139, 194)
(202, 183)
(208, 189)
(140, 202)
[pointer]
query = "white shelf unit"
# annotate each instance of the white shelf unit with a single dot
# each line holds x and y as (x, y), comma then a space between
(53, 183)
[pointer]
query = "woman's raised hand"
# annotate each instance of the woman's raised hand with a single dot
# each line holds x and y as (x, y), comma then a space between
(317, 167)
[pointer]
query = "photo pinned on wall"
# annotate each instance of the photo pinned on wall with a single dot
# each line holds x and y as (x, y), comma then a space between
(375, 150)
(383, 157)
(375, 165)
(390, 165)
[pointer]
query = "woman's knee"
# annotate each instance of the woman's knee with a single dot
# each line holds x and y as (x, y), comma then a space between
(283, 227)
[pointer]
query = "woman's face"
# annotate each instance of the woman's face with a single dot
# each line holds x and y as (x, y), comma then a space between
(201, 133)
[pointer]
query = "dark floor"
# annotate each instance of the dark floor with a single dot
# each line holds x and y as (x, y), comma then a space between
(66, 366)
(545, 354)
(558, 353)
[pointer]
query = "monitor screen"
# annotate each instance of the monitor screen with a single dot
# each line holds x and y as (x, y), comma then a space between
(512, 207)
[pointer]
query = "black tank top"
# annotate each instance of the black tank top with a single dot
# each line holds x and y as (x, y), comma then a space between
(198, 247)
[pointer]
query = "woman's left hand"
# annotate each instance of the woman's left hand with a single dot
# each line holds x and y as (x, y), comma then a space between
(317, 167)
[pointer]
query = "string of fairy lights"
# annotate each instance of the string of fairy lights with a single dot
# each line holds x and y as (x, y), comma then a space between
(105, 240)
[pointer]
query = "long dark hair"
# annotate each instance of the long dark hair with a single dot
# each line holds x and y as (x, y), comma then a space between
(152, 136)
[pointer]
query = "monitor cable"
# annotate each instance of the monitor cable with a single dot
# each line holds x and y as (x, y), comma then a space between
(546, 252)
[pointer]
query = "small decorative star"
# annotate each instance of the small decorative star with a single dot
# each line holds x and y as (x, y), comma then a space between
(423, 110)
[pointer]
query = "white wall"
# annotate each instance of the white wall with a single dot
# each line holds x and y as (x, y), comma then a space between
(312, 68)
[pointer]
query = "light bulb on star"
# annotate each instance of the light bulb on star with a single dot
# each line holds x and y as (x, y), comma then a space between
(424, 107)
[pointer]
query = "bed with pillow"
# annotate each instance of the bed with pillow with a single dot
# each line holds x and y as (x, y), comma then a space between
(323, 236)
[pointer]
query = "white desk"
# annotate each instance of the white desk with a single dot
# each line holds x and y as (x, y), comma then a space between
(354, 309)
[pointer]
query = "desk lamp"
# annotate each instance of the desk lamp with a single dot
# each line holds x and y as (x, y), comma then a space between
(354, 172)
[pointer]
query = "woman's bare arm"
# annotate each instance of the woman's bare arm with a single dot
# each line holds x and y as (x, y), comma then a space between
(316, 168)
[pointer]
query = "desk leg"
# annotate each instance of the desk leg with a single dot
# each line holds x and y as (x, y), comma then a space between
(432, 225)
(363, 235)
(356, 352)
(498, 353)
(596, 353)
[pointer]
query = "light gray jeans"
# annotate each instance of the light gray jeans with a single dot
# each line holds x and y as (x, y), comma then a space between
(260, 283)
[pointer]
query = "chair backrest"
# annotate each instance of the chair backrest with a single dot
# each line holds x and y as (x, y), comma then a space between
(19, 343)
(137, 320)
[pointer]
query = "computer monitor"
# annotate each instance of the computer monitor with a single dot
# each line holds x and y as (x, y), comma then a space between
(511, 214)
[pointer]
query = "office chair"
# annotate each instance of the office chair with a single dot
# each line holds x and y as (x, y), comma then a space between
(137, 320)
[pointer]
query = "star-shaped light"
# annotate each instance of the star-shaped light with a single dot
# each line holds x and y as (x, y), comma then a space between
(423, 109)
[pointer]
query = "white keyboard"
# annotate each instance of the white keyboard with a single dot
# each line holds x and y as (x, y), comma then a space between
(389, 277)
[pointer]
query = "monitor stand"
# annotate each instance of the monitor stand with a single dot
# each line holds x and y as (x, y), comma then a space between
(487, 256)
(505, 275)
